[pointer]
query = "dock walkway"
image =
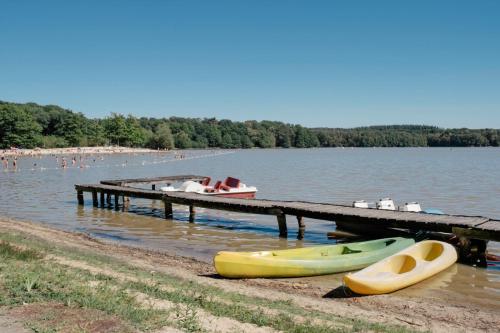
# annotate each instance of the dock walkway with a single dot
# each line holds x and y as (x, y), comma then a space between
(474, 227)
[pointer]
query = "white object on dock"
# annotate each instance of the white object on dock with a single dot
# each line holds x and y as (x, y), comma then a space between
(411, 207)
(360, 204)
(386, 204)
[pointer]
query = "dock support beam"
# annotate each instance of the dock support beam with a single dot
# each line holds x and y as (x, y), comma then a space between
(108, 198)
(168, 210)
(191, 213)
(302, 227)
(153, 187)
(282, 225)
(117, 199)
(94, 198)
(79, 197)
(102, 198)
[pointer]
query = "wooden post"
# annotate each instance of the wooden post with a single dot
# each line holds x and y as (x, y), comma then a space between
(94, 198)
(117, 198)
(102, 199)
(168, 210)
(282, 225)
(79, 196)
(153, 187)
(126, 202)
(191, 213)
(108, 198)
(302, 227)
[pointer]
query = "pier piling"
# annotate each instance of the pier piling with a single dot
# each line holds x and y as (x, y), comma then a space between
(79, 197)
(168, 209)
(302, 227)
(475, 230)
(282, 225)
(94, 198)
(192, 213)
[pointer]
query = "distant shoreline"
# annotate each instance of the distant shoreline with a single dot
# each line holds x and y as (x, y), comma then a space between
(78, 151)
(129, 150)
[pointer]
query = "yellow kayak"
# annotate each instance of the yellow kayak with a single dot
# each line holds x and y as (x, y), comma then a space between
(316, 260)
(407, 267)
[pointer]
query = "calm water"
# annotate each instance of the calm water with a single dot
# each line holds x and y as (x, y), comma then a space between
(458, 181)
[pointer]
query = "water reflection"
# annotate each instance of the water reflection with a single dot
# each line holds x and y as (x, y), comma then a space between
(460, 181)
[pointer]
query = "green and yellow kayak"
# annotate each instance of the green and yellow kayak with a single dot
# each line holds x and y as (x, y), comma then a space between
(317, 260)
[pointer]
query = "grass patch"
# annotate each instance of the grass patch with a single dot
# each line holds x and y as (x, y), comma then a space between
(33, 282)
(38, 281)
(7, 251)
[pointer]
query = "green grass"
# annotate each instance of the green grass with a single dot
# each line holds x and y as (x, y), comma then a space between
(30, 280)
(7, 251)
(25, 282)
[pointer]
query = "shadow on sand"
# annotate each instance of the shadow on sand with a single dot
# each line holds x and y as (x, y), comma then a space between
(341, 292)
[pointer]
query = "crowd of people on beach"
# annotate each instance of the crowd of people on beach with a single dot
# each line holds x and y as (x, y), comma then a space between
(83, 159)
(9, 157)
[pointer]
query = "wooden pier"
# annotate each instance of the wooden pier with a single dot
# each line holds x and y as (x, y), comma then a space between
(354, 219)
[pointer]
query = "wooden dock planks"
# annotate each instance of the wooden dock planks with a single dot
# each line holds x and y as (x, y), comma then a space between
(151, 180)
(480, 227)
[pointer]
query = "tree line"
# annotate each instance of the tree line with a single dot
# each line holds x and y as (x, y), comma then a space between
(31, 125)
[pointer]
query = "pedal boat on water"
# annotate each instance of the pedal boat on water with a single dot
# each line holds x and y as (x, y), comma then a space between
(230, 188)
(403, 269)
(317, 260)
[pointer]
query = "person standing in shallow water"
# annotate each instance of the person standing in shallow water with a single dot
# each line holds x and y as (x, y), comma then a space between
(5, 162)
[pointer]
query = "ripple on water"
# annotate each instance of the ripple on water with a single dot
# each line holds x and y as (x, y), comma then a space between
(458, 181)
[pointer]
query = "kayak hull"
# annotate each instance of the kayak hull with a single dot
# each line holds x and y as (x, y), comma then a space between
(403, 269)
(318, 260)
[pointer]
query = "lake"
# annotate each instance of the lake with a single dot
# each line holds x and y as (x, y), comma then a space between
(455, 180)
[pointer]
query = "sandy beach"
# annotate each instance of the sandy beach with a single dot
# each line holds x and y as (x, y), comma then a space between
(74, 251)
(76, 151)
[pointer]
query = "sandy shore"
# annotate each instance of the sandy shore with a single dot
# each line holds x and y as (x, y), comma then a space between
(77, 151)
(419, 314)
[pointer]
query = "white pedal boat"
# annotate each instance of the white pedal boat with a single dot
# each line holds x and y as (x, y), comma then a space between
(230, 188)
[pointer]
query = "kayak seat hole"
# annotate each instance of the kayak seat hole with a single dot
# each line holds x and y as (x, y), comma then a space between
(430, 251)
(389, 242)
(402, 264)
(347, 250)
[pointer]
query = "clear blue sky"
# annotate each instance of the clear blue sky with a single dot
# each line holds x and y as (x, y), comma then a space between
(317, 63)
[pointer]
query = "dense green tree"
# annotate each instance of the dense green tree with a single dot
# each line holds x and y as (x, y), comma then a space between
(30, 125)
(135, 135)
(18, 128)
(115, 127)
(162, 137)
(182, 140)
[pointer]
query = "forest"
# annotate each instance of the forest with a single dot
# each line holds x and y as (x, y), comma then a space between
(30, 125)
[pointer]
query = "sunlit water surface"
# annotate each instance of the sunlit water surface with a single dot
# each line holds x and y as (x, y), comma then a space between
(457, 181)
